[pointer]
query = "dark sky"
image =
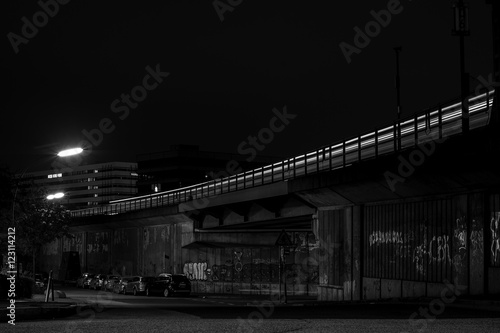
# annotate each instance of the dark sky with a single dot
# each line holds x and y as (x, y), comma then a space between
(225, 76)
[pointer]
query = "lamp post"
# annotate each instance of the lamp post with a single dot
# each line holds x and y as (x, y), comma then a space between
(461, 29)
(398, 94)
(64, 153)
(398, 84)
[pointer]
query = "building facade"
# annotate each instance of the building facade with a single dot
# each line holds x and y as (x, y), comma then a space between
(88, 185)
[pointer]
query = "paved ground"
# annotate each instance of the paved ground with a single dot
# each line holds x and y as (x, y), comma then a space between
(88, 310)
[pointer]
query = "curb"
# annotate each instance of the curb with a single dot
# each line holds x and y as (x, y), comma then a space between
(40, 310)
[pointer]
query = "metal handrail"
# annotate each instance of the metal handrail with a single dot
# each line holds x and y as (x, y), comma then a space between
(408, 132)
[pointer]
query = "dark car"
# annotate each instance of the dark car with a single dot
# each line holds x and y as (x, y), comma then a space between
(110, 281)
(84, 280)
(169, 284)
(40, 280)
(139, 284)
(97, 281)
(121, 287)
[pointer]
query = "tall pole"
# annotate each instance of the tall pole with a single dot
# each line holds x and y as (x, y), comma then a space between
(280, 268)
(398, 94)
(495, 23)
(461, 28)
(464, 79)
(398, 82)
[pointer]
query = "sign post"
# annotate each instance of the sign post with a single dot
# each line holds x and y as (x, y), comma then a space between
(284, 242)
(279, 271)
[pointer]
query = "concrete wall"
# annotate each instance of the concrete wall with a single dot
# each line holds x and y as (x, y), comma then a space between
(253, 270)
(404, 248)
(338, 231)
(422, 247)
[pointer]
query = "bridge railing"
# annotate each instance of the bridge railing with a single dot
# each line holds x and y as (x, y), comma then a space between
(431, 124)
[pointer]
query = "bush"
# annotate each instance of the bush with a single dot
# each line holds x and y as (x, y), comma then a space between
(24, 287)
(4, 286)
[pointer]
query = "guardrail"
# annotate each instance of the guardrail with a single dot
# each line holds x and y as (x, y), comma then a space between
(435, 123)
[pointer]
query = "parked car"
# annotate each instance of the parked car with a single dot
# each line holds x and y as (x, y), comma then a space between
(97, 281)
(169, 284)
(40, 281)
(122, 287)
(110, 281)
(139, 284)
(83, 280)
(86, 282)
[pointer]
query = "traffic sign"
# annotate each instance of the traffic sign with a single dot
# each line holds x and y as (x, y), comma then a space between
(284, 239)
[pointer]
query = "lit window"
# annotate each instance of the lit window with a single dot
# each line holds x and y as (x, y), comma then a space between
(96, 171)
(49, 176)
(59, 175)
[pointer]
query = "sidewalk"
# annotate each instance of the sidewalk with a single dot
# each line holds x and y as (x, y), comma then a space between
(472, 302)
(37, 308)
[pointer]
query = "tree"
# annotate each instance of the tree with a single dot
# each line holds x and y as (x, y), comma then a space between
(37, 221)
(5, 210)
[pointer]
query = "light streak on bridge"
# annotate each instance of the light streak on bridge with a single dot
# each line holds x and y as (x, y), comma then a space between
(436, 123)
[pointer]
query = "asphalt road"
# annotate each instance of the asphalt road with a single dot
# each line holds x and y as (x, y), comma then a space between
(128, 313)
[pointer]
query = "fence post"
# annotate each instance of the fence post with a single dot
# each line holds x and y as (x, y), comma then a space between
(49, 283)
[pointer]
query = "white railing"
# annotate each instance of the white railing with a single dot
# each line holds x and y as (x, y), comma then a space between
(431, 124)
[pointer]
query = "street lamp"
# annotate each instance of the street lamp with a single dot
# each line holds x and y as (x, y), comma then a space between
(70, 152)
(64, 153)
(57, 195)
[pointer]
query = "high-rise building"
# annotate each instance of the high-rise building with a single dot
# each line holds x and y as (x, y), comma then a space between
(87, 185)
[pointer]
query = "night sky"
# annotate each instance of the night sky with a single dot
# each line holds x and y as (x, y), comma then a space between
(225, 77)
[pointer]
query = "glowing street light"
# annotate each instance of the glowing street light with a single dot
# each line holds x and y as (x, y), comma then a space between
(58, 195)
(70, 152)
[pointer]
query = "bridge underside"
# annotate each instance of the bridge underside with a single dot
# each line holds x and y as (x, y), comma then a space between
(396, 226)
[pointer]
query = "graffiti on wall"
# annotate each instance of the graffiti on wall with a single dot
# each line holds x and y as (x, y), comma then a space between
(120, 237)
(476, 238)
(150, 236)
(495, 237)
(99, 244)
(460, 241)
(439, 249)
(260, 270)
(238, 266)
(436, 248)
(74, 243)
(263, 273)
(460, 233)
(196, 271)
(387, 237)
(253, 268)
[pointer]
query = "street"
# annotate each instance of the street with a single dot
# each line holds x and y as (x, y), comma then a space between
(127, 313)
